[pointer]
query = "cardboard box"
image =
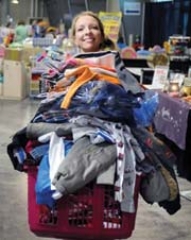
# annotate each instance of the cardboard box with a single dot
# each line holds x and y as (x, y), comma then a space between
(15, 80)
(13, 54)
(30, 52)
(23, 54)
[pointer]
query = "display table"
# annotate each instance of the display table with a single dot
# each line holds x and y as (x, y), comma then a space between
(172, 122)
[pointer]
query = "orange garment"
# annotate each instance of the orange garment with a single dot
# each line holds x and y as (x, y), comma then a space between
(83, 75)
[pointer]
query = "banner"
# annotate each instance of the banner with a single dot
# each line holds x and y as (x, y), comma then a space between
(112, 23)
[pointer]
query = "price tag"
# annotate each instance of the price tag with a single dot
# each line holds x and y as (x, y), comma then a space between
(160, 77)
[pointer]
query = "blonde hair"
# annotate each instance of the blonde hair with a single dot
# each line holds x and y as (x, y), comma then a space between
(87, 13)
(106, 43)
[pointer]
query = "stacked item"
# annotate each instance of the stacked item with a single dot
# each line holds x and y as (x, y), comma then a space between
(87, 151)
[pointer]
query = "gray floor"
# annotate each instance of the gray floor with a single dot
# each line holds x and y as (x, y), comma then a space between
(153, 223)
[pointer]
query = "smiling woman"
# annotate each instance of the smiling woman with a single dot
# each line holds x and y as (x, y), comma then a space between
(88, 33)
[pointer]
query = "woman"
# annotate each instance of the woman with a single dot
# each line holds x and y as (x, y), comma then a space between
(88, 33)
(99, 142)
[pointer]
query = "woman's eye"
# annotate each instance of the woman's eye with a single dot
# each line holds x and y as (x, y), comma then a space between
(79, 29)
(89, 27)
(95, 27)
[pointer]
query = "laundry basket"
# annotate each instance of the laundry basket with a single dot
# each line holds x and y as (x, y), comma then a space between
(90, 213)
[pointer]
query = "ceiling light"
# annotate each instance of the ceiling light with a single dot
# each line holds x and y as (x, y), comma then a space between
(15, 1)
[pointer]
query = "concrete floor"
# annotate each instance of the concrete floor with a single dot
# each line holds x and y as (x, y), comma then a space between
(153, 223)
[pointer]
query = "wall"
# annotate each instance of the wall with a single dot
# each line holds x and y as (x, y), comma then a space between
(133, 24)
(113, 5)
(24, 10)
(62, 9)
(57, 8)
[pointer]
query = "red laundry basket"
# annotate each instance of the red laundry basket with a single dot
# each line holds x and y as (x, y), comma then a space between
(90, 213)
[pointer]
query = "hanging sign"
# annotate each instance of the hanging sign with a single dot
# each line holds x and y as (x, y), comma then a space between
(132, 8)
(112, 23)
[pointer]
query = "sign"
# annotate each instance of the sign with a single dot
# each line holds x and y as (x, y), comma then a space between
(132, 8)
(160, 77)
(112, 23)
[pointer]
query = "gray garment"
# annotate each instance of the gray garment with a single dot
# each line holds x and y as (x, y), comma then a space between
(107, 177)
(35, 130)
(84, 162)
(128, 81)
(80, 131)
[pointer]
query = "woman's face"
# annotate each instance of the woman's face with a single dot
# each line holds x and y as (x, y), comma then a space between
(88, 36)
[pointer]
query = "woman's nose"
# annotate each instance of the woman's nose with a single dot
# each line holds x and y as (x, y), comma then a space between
(87, 30)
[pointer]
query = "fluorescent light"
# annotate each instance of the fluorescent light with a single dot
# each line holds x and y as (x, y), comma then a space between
(15, 1)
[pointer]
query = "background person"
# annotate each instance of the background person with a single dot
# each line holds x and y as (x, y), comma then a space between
(21, 32)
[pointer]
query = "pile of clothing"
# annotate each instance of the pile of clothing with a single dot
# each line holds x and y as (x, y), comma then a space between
(92, 125)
